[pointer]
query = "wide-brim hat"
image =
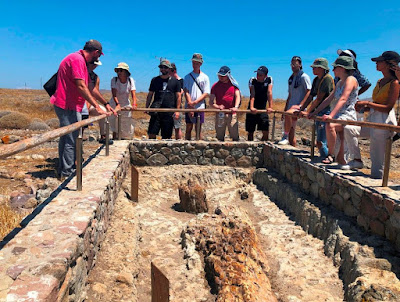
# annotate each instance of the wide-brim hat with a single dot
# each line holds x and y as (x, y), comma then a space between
(321, 62)
(122, 65)
(98, 63)
(388, 56)
(165, 63)
(345, 62)
(197, 57)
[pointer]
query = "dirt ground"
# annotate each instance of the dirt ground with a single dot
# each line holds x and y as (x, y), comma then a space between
(150, 231)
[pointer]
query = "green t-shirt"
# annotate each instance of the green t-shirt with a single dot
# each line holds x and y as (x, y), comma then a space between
(326, 86)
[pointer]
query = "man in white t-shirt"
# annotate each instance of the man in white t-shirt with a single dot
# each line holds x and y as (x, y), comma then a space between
(197, 89)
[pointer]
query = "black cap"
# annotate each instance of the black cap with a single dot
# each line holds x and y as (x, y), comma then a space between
(388, 56)
(93, 45)
(262, 69)
(223, 71)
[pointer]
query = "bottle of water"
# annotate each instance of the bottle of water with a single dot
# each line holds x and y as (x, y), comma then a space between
(360, 115)
(220, 119)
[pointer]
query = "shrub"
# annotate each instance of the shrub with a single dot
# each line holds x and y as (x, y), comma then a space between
(53, 123)
(38, 124)
(3, 113)
(47, 107)
(14, 120)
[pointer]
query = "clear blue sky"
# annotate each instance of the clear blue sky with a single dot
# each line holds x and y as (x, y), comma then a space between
(36, 35)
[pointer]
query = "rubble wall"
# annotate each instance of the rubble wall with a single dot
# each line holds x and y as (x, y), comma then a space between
(49, 259)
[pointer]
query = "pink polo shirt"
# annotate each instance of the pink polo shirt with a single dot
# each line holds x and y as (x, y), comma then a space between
(67, 95)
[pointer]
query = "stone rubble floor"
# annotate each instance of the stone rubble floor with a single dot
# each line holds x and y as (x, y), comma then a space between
(150, 230)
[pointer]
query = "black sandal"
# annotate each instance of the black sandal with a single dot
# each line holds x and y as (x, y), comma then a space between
(330, 159)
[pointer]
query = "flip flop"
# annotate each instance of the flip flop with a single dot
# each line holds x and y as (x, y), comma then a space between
(330, 159)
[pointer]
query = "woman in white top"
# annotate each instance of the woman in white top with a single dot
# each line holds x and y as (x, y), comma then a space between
(122, 87)
(341, 100)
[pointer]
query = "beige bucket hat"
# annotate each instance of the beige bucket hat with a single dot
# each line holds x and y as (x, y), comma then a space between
(122, 65)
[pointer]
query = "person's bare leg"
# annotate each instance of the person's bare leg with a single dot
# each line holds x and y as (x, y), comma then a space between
(201, 135)
(188, 133)
(340, 156)
(178, 133)
(265, 136)
(292, 139)
(331, 137)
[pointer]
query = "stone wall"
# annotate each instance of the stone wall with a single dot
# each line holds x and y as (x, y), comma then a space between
(367, 264)
(234, 154)
(374, 211)
(50, 258)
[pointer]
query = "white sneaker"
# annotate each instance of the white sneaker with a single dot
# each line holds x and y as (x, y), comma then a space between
(356, 164)
(283, 141)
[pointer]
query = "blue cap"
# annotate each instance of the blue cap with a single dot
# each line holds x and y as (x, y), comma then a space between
(223, 71)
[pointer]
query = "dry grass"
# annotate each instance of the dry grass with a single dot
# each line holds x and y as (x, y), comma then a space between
(8, 219)
(31, 103)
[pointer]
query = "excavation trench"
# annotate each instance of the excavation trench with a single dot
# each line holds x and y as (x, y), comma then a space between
(299, 250)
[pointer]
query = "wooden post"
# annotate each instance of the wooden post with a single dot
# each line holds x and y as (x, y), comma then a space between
(313, 140)
(198, 127)
(79, 161)
(159, 285)
(119, 126)
(273, 128)
(388, 152)
(107, 137)
(134, 184)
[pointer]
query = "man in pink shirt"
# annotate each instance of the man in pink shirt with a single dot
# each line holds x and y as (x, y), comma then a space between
(225, 94)
(69, 99)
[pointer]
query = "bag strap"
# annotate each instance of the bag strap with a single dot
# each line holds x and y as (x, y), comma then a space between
(196, 83)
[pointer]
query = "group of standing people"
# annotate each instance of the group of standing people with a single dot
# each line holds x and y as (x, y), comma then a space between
(338, 99)
(77, 96)
(168, 90)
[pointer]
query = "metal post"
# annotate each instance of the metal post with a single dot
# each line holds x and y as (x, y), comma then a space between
(107, 137)
(273, 127)
(134, 184)
(119, 125)
(79, 161)
(198, 127)
(388, 152)
(313, 140)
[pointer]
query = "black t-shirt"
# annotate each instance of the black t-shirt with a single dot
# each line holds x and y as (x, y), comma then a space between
(261, 93)
(92, 79)
(164, 92)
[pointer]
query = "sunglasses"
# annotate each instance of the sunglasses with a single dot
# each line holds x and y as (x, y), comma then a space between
(120, 70)
(163, 67)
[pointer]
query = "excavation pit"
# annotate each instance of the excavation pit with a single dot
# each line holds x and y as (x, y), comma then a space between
(321, 236)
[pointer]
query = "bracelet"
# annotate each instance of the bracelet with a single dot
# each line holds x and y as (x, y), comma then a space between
(106, 104)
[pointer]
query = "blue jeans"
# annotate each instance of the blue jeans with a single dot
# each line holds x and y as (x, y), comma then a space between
(321, 134)
(66, 144)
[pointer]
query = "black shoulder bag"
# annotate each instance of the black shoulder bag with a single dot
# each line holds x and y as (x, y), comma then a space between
(51, 85)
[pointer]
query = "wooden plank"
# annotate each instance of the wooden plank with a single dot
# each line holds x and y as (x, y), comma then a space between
(134, 184)
(159, 285)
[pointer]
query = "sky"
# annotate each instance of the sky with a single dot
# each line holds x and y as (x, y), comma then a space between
(36, 35)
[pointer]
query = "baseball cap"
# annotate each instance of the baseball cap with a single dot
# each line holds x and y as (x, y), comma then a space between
(93, 45)
(347, 52)
(198, 57)
(262, 69)
(388, 56)
(165, 63)
(321, 62)
(223, 71)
